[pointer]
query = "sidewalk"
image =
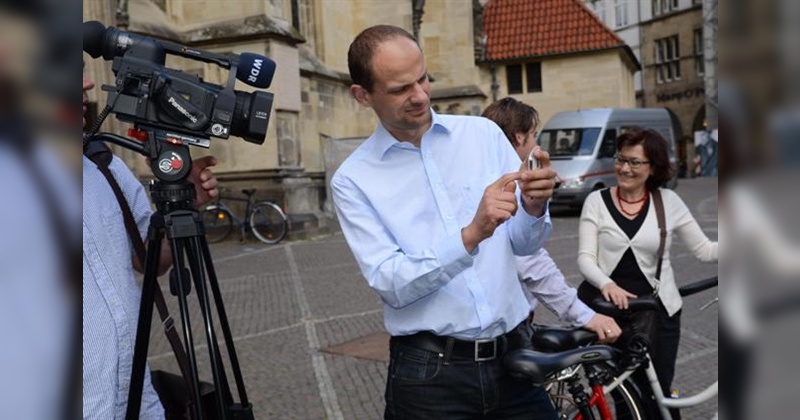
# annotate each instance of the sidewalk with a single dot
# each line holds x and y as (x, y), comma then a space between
(295, 309)
(284, 303)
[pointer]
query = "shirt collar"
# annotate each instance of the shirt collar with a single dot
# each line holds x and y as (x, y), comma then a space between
(384, 140)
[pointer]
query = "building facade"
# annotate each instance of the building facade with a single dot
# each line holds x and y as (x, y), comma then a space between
(667, 38)
(312, 110)
(673, 76)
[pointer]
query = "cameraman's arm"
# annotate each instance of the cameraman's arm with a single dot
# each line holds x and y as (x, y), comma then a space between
(164, 260)
(206, 189)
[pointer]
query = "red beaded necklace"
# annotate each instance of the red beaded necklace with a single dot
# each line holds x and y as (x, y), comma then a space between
(641, 200)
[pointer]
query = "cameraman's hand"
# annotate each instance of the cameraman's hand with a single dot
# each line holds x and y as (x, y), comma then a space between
(205, 184)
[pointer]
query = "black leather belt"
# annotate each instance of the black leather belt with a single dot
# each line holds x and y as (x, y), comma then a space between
(478, 350)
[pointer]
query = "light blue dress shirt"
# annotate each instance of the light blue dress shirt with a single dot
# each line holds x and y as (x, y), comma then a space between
(37, 319)
(402, 209)
(111, 295)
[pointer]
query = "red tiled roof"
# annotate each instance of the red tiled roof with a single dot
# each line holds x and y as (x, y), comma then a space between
(530, 28)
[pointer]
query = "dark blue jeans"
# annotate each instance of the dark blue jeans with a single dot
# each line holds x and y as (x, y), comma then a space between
(421, 386)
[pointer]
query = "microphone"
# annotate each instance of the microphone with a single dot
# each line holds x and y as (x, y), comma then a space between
(93, 34)
(255, 70)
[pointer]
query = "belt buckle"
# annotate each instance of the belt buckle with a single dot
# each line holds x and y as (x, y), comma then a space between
(478, 343)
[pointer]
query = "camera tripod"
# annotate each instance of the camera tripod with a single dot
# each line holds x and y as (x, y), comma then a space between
(177, 219)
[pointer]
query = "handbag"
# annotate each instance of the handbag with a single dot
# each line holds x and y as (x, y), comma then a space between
(640, 325)
(174, 391)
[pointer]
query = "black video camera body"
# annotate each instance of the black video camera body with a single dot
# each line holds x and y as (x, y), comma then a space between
(152, 96)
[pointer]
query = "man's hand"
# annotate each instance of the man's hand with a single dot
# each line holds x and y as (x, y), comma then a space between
(205, 184)
(605, 327)
(497, 205)
(613, 293)
(537, 184)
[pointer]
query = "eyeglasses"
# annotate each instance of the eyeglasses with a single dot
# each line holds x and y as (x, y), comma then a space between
(633, 163)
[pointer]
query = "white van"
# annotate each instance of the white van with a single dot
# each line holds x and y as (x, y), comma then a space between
(582, 145)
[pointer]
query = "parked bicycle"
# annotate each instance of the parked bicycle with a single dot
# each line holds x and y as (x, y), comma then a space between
(588, 381)
(265, 219)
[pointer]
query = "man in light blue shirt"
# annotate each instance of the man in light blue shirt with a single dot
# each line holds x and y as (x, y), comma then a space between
(430, 207)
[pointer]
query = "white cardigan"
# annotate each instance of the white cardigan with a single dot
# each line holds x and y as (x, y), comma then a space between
(602, 244)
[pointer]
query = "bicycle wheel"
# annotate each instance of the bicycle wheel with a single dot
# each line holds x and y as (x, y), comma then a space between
(218, 223)
(624, 401)
(268, 223)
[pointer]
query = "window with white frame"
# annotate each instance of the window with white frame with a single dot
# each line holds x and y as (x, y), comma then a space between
(667, 58)
(620, 13)
(699, 58)
(661, 7)
(599, 8)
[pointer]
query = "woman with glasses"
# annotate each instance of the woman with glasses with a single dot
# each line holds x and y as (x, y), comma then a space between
(619, 239)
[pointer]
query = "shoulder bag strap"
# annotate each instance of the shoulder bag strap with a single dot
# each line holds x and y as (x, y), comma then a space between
(102, 157)
(662, 228)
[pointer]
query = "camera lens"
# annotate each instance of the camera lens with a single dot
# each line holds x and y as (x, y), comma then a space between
(251, 115)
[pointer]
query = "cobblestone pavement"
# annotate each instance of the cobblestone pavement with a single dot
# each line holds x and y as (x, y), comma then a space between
(286, 302)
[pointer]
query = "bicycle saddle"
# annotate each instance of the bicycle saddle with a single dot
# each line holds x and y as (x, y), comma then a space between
(249, 191)
(551, 339)
(533, 366)
(644, 303)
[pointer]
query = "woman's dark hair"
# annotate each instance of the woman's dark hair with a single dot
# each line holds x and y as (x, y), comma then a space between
(512, 116)
(655, 149)
(362, 49)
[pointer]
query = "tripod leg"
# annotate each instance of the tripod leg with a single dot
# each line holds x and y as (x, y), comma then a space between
(143, 328)
(217, 369)
(223, 320)
(177, 258)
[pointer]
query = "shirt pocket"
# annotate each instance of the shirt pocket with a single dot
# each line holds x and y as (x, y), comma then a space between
(472, 192)
(116, 236)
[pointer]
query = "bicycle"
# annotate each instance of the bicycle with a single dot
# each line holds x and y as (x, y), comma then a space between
(564, 352)
(265, 219)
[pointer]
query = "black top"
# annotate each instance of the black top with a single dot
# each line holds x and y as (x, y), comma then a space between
(627, 273)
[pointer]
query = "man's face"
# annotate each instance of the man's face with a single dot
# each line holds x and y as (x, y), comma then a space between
(401, 93)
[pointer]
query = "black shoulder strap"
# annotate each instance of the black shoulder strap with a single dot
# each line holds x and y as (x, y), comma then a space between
(662, 228)
(99, 153)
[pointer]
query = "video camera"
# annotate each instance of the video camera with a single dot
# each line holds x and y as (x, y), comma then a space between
(176, 106)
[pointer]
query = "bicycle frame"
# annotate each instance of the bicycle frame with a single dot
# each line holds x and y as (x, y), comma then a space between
(242, 224)
(664, 403)
(598, 399)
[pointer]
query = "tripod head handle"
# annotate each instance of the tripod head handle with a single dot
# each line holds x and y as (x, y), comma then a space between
(118, 140)
(168, 154)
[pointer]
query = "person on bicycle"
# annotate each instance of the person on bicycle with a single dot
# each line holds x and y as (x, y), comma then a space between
(619, 239)
(429, 208)
(541, 279)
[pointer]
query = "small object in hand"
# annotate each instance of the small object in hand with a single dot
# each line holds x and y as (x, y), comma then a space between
(608, 332)
(533, 163)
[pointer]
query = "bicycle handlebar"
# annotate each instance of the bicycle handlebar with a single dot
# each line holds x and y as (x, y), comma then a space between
(643, 303)
(699, 286)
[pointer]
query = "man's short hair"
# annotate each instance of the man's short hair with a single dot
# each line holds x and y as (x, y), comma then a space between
(362, 49)
(513, 117)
